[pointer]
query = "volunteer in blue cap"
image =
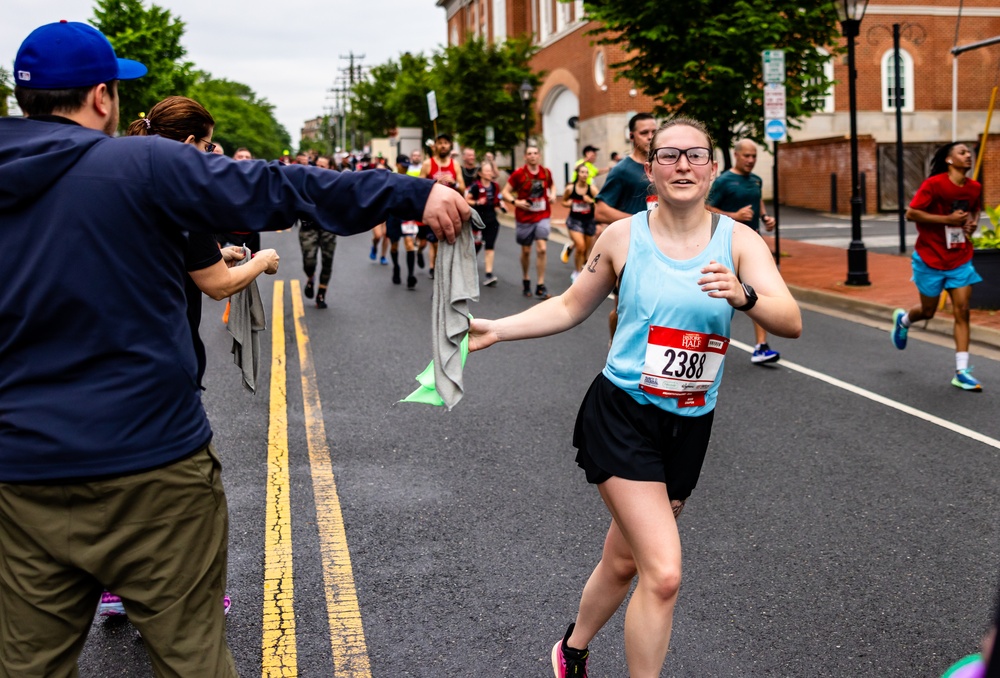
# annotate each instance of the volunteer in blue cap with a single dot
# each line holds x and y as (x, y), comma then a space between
(107, 473)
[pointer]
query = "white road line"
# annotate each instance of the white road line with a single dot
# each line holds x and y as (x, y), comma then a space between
(888, 402)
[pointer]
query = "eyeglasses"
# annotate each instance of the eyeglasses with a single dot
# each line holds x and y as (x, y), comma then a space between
(669, 156)
(210, 147)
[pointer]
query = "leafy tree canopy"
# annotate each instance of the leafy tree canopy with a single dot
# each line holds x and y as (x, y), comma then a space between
(241, 118)
(703, 58)
(6, 90)
(478, 86)
(151, 36)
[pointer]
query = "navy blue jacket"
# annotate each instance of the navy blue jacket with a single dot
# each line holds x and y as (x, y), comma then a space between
(97, 370)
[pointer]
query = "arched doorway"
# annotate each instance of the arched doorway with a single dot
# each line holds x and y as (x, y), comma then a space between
(560, 152)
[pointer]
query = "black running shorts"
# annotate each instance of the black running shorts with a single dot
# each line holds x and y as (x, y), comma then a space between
(617, 436)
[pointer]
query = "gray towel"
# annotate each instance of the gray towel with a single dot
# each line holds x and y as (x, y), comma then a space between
(456, 283)
(246, 321)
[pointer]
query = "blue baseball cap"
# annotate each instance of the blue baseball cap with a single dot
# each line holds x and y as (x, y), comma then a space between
(67, 55)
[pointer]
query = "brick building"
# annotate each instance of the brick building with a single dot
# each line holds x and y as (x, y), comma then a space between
(580, 85)
(311, 129)
(579, 101)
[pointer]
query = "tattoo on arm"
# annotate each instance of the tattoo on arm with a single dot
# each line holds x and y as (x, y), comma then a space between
(593, 265)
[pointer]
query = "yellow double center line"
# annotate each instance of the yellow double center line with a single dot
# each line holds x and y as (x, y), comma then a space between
(347, 638)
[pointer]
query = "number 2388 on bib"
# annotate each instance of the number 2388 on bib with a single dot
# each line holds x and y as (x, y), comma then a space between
(682, 364)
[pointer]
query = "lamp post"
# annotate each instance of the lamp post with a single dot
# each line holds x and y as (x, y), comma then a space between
(526, 90)
(851, 12)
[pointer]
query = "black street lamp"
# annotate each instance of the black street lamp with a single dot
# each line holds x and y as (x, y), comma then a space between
(526, 91)
(851, 12)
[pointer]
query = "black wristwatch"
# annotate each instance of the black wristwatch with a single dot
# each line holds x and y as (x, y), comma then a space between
(751, 298)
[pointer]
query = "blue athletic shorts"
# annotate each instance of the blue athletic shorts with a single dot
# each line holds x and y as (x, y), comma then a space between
(931, 281)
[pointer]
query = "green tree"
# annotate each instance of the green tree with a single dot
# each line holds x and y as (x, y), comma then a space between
(395, 95)
(153, 37)
(703, 58)
(478, 87)
(241, 118)
(6, 90)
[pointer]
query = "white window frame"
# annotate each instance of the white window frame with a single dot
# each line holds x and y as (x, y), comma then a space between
(578, 13)
(564, 16)
(828, 98)
(888, 73)
(544, 19)
(499, 20)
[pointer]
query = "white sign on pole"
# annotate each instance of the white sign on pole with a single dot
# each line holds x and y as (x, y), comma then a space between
(774, 65)
(490, 136)
(432, 105)
(774, 101)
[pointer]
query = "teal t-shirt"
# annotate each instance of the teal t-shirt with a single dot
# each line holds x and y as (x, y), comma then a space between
(732, 192)
(626, 187)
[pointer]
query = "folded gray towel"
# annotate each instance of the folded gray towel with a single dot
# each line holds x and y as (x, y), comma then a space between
(246, 321)
(456, 283)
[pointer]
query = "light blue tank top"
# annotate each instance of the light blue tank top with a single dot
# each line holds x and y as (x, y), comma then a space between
(671, 336)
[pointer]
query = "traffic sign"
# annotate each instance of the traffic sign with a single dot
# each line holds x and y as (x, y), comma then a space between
(775, 130)
(774, 65)
(774, 102)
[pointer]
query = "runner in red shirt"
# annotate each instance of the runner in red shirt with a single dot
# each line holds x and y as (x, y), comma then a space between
(946, 209)
(441, 168)
(534, 190)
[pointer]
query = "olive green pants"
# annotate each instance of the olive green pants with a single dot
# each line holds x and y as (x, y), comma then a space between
(158, 539)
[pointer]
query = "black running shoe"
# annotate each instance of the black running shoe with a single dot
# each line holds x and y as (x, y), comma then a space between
(308, 291)
(321, 299)
(395, 276)
(542, 292)
(420, 259)
(411, 282)
(527, 288)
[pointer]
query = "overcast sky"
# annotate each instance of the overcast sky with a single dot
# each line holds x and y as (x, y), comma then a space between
(287, 51)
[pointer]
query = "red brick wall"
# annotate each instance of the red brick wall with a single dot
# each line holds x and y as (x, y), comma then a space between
(804, 170)
(928, 39)
(575, 54)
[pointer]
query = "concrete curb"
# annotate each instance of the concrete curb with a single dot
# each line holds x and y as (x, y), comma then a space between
(938, 324)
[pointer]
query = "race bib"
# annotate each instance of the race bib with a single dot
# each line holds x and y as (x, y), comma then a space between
(580, 206)
(651, 202)
(954, 236)
(682, 364)
(537, 205)
(410, 227)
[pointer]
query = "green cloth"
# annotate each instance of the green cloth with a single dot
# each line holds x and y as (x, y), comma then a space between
(427, 392)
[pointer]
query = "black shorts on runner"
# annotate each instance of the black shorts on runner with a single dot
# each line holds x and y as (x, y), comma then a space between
(617, 436)
(425, 233)
(490, 231)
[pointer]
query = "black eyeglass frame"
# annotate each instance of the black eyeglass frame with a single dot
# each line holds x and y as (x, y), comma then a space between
(685, 152)
(210, 147)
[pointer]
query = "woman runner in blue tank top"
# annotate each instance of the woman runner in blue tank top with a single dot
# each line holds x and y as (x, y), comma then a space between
(644, 426)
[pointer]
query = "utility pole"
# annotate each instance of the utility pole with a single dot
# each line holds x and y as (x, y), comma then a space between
(354, 75)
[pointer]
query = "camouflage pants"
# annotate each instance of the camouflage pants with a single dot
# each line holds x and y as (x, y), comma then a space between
(313, 239)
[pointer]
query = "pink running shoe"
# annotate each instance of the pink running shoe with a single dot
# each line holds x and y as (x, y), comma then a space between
(226, 604)
(568, 662)
(110, 606)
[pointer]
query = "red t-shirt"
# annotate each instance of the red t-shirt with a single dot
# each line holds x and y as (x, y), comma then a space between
(940, 196)
(535, 189)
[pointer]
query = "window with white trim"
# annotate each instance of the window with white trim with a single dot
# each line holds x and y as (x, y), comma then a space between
(578, 11)
(564, 15)
(544, 19)
(499, 20)
(889, 81)
(827, 102)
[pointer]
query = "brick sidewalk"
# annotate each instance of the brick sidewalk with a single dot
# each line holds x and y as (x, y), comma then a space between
(816, 274)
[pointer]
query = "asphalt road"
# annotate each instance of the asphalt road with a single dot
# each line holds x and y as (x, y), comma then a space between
(830, 534)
